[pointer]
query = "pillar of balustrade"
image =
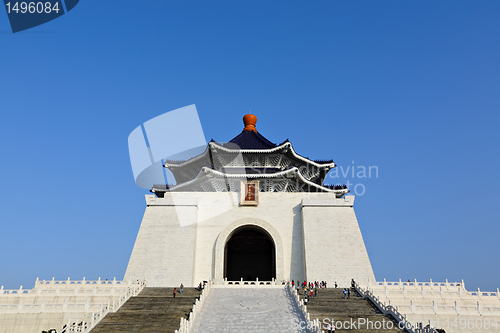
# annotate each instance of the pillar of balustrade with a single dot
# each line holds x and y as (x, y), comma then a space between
(478, 293)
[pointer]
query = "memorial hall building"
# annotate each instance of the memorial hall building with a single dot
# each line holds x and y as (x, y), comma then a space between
(249, 209)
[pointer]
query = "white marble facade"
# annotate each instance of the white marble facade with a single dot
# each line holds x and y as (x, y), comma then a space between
(182, 237)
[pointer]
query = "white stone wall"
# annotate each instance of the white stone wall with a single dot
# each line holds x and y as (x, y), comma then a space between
(181, 234)
(164, 251)
(334, 246)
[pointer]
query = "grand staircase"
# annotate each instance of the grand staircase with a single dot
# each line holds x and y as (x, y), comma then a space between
(154, 310)
(330, 304)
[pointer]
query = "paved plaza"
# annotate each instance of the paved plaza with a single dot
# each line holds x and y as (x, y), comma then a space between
(249, 310)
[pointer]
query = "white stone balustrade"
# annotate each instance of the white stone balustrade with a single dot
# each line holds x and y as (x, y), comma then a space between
(253, 284)
(393, 311)
(442, 303)
(315, 327)
(53, 303)
(186, 325)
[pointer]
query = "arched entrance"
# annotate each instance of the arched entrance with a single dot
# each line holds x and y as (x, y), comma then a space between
(250, 254)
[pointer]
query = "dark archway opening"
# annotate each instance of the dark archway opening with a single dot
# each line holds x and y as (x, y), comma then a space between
(250, 254)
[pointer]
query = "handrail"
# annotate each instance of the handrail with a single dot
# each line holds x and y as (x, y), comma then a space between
(253, 283)
(315, 324)
(389, 309)
(95, 318)
(186, 325)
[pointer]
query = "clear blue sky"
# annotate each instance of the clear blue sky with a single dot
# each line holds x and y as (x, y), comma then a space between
(411, 87)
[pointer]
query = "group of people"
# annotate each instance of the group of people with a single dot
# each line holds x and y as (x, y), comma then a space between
(310, 289)
(347, 293)
(310, 285)
(330, 328)
(180, 291)
(201, 286)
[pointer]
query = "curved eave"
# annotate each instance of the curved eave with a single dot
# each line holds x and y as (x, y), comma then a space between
(294, 171)
(282, 146)
(180, 164)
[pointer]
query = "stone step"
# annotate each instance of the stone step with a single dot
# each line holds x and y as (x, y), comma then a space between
(154, 310)
(330, 305)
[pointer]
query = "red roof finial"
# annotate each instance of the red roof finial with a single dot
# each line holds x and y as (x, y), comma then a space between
(250, 120)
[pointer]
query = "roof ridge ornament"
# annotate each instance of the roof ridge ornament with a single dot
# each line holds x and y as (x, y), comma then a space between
(250, 120)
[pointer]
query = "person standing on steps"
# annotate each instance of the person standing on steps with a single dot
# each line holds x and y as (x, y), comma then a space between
(175, 291)
(349, 293)
(181, 289)
(336, 284)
